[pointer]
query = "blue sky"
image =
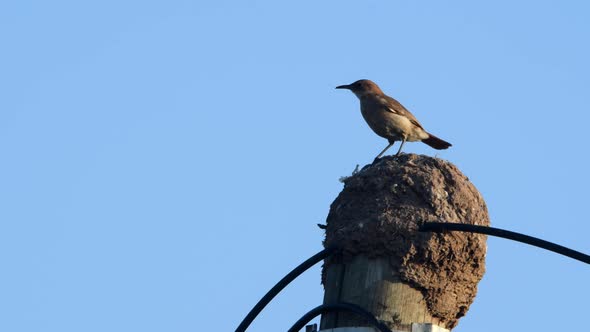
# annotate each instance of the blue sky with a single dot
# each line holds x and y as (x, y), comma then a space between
(165, 163)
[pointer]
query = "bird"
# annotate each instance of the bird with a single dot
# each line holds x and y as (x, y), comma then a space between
(390, 119)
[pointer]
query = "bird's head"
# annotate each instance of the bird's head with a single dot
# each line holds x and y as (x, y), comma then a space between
(362, 88)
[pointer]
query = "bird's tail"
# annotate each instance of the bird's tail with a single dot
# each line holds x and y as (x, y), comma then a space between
(436, 142)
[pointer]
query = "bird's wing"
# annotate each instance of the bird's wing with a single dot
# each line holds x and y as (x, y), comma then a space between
(395, 107)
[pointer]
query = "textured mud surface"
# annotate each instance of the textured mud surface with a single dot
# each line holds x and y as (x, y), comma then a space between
(378, 213)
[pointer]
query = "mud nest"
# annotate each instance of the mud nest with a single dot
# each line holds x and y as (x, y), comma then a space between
(378, 214)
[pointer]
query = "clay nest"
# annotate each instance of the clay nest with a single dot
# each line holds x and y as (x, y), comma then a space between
(378, 214)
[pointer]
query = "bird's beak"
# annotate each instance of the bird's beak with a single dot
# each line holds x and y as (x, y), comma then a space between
(343, 87)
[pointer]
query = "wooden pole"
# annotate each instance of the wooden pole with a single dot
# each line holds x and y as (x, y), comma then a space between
(374, 285)
(410, 281)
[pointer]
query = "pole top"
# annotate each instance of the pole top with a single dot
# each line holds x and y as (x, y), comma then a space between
(379, 212)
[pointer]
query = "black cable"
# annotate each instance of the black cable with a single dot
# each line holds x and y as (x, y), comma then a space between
(443, 226)
(282, 284)
(341, 306)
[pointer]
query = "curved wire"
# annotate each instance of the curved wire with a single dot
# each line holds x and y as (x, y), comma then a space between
(426, 227)
(341, 306)
(443, 226)
(282, 284)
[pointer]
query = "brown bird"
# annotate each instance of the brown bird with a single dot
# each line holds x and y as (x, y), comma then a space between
(389, 119)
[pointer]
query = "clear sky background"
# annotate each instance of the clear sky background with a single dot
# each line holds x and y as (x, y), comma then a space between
(163, 164)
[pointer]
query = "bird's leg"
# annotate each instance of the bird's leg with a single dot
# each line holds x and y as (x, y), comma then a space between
(400, 147)
(382, 152)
